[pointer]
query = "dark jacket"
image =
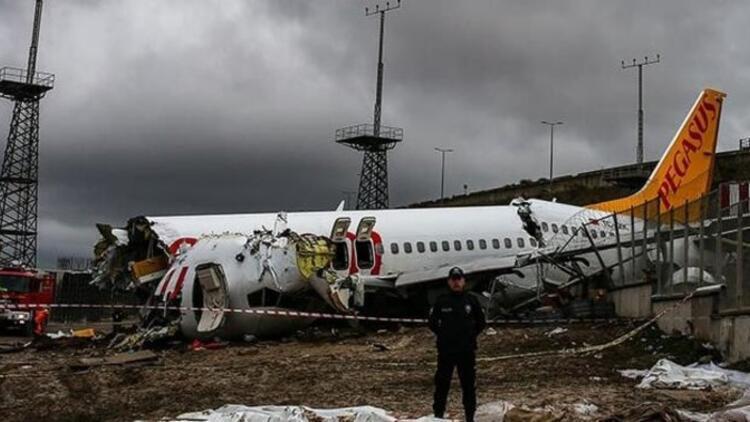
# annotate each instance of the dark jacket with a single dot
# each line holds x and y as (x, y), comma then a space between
(456, 319)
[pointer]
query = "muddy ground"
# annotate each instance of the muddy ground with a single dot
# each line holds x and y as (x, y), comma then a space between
(323, 369)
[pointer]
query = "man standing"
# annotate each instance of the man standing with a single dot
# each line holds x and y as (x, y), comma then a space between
(456, 319)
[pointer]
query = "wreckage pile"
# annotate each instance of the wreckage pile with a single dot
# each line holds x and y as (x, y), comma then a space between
(331, 367)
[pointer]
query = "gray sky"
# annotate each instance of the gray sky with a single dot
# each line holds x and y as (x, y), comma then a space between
(187, 106)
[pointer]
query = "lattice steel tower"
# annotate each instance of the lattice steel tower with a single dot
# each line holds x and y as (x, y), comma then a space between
(373, 139)
(20, 169)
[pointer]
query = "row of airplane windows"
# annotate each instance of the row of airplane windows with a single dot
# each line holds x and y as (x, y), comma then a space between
(457, 245)
(555, 229)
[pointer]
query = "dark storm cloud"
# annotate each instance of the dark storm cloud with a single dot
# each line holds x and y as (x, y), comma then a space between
(173, 107)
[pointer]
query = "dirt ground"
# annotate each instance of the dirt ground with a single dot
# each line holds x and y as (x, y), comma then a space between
(346, 368)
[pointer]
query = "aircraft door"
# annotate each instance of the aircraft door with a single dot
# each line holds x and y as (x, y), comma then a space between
(211, 283)
(364, 246)
(341, 246)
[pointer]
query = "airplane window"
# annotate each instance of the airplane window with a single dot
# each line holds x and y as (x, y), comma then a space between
(470, 245)
(340, 256)
(446, 245)
(433, 246)
(365, 256)
(564, 229)
(532, 242)
(407, 247)
(420, 247)
(603, 234)
(520, 242)
(394, 248)
(482, 244)
(554, 228)
(496, 243)
(545, 226)
(457, 245)
(508, 243)
(593, 234)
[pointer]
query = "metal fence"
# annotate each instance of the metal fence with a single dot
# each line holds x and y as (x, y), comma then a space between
(675, 247)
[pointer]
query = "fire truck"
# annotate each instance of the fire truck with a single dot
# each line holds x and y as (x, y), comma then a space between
(20, 285)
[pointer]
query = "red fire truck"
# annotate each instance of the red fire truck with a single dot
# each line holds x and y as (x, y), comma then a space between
(25, 286)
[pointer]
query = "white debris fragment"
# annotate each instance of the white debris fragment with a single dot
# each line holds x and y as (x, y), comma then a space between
(556, 331)
(490, 331)
(235, 412)
(585, 409)
(669, 375)
(633, 374)
(58, 334)
(493, 411)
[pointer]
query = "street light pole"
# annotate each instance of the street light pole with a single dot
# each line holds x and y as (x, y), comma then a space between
(551, 147)
(442, 152)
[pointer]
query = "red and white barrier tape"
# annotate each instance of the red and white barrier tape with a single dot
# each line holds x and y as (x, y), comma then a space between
(283, 313)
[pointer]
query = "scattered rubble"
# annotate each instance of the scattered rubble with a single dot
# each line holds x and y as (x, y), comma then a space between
(323, 369)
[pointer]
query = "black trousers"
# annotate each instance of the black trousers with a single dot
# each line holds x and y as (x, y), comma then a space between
(465, 362)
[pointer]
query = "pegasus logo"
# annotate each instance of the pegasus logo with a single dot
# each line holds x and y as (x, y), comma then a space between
(689, 145)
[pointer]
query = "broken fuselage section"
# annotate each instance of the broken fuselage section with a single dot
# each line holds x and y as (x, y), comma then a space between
(229, 284)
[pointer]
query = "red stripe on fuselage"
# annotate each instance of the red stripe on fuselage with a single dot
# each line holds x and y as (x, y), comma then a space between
(180, 280)
(167, 279)
(175, 246)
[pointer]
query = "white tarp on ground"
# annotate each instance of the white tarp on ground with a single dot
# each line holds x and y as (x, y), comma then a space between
(488, 412)
(669, 375)
(737, 379)
(239, 413)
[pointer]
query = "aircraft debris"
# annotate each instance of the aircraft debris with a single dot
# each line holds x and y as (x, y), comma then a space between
(198, 345)
(141, 356)
(143, 337)
(556, 331)
(84, 333)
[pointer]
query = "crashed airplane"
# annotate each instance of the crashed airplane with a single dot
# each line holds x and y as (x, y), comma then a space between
(367, 261)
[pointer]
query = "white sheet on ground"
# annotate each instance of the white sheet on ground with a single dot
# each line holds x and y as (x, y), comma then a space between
(736, 378)
(669, 375)
(239, 413)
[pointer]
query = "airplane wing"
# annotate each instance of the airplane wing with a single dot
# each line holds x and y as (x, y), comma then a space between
(472, 269)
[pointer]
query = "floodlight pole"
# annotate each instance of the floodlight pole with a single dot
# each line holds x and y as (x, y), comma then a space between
(639, 65)
(379, 88)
